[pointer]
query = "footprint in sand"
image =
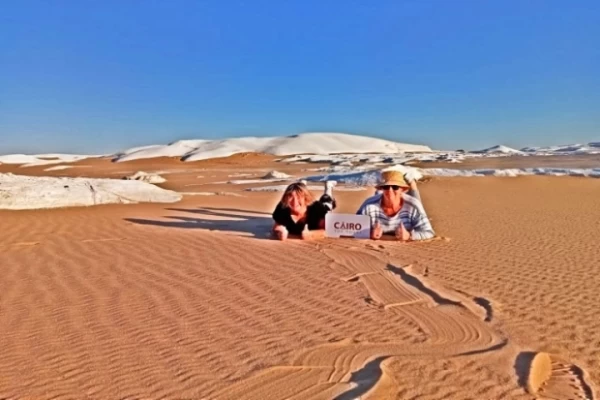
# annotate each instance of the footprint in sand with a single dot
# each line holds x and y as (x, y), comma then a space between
(549, 377)
(375, 247)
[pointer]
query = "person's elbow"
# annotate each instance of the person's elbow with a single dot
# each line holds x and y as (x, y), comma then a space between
(428, 234)
(422, 233)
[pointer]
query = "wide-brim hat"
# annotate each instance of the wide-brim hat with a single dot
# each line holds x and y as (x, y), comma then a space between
(392, 178)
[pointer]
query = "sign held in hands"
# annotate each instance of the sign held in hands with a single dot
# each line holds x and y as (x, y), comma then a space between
(347, 225)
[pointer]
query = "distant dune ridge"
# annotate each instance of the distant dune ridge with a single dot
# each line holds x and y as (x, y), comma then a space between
(313, 143)
(26, 160)
(498, 149)
(354, 160)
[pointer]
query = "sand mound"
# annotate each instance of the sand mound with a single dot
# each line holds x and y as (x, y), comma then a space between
(27, 160)
(499, 149)
(552, 378)
(312, 143)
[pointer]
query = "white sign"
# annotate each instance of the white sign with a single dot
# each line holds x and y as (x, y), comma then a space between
(348, 225)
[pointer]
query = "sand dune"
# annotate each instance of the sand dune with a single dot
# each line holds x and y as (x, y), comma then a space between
(191, 300)
(499, 149)
(28, 160)
(314, 142)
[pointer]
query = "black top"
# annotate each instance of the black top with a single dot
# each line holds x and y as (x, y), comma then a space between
(314, 214)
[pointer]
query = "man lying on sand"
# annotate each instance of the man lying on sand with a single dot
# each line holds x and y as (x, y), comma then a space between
(297, 213)
(397, 209)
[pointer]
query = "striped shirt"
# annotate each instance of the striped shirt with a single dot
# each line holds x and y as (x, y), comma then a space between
(411, 214)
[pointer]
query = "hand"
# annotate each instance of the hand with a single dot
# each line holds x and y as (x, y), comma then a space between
(306, 234)
(281, 232)
(376, 231)
(402, 234)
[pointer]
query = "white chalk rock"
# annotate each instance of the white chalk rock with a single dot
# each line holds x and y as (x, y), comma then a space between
(19, 192)
(146, 177)
(276, 175)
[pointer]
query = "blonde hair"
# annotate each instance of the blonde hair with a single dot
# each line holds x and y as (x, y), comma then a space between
(301, 190)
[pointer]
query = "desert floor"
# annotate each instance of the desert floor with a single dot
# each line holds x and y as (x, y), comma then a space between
(192, 300)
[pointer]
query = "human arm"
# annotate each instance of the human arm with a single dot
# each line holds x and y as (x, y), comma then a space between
(376, 231)
(402, 233)
(314, 226)
(279, 229)
(371, 211)
(315, 234)
(421, 226)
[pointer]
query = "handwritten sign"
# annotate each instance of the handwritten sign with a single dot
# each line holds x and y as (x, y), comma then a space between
(347, 225)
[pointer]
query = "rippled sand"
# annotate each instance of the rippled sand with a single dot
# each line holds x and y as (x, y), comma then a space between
(193, 301)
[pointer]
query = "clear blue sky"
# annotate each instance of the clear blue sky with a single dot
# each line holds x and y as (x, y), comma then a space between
(100, 76)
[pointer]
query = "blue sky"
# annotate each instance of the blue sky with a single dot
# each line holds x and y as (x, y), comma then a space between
(100, 76)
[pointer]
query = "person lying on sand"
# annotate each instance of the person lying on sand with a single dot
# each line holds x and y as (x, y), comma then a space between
(394, 210)
(297, 213)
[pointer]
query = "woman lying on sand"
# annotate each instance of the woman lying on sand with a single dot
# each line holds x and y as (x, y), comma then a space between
(299, 214)
(396, 211)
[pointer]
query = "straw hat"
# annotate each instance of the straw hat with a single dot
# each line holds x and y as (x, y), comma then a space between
(392, 177)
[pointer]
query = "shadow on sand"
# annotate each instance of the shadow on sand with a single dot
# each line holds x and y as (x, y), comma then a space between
(523, 367)
(365, 379)
(226, 220)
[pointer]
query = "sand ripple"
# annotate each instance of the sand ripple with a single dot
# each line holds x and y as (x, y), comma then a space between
(93, 306)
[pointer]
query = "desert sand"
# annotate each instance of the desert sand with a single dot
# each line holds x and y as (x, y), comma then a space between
(192, 300)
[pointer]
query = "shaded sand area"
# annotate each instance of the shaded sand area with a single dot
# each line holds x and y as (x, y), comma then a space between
(192, 301)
